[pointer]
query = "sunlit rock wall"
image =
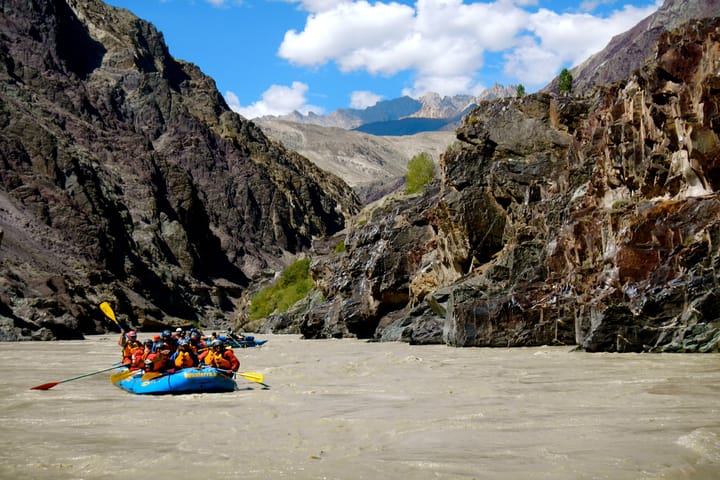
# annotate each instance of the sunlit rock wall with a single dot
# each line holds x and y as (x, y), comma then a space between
(576, 221)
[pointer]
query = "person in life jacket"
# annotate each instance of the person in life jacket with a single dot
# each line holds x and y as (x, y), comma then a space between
(156, 342)
(238, 337)
(167, 338)
(159, 360)
(140, 354)
(128, 342)
(179, 335)
(184, 357)
(196, 343)
(220, 357)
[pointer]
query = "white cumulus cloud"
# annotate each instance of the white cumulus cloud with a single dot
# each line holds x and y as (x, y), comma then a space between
(276, 100)
(346, 28)
(436, 39)
(444, 42)
(554, 40)
(362, 99)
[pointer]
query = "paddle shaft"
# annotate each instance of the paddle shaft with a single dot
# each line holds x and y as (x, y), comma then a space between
(48, 386)
(92, 373)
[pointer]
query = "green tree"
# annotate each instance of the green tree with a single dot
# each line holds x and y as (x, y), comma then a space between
(520, 90)
(294, 284)
(421, 169)
(565, 81)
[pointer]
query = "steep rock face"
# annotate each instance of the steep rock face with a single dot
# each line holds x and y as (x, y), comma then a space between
(630, 50)
(588, 221)
(125, 177)
(653, 204)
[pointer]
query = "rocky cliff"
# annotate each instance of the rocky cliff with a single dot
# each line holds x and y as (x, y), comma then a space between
(125, 177)
(591, 221)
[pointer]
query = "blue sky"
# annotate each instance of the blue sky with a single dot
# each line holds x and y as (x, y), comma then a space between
(271, 57)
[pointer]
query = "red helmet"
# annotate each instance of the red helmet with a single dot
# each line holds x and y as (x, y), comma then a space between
(132, 333)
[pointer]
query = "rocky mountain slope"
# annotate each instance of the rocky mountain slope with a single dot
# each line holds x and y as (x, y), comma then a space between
(557, 220)
(373, 165)
(632, 49)
(125, 177)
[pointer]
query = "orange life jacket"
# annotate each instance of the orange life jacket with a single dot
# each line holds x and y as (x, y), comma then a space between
(219, 361)
(184, 360)
(226, 360)
(208, 357)
(156, 362)
(138, 358)
(127, 350)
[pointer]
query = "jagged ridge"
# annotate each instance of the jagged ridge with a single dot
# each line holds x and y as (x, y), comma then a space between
(125, 177)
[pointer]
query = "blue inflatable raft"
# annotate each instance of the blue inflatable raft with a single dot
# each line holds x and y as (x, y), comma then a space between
(247, 342)
(187, 380)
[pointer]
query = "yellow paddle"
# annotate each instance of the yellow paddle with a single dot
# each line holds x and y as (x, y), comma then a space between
(256, 377)
(252, 376)
(107, 310)
(117, 377)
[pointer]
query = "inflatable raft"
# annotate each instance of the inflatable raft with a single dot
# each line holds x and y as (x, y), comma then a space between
(187, 380)
(247, 342)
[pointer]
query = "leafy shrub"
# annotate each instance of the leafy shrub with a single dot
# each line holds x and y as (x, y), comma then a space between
(340, 247)
(421, 169)
(293, 285)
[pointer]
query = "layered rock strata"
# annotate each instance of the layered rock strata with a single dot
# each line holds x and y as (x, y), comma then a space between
(580, 221)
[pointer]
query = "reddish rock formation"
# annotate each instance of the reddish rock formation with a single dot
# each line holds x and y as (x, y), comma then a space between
(590, 221)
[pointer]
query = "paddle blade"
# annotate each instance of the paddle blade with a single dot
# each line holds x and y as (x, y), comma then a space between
(107, 310)
(252, 376)
(117, 377)
(45, 386)
(151, 375)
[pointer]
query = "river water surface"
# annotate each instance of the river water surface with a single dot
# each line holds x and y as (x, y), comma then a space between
(350, 410)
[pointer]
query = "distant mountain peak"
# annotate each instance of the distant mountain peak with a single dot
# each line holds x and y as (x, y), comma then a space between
(438, 113)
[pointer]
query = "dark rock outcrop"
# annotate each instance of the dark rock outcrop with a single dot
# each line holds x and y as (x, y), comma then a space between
(590, 221)
(125, 177)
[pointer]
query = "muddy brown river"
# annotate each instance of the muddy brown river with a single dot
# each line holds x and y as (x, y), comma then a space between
(351, 410)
